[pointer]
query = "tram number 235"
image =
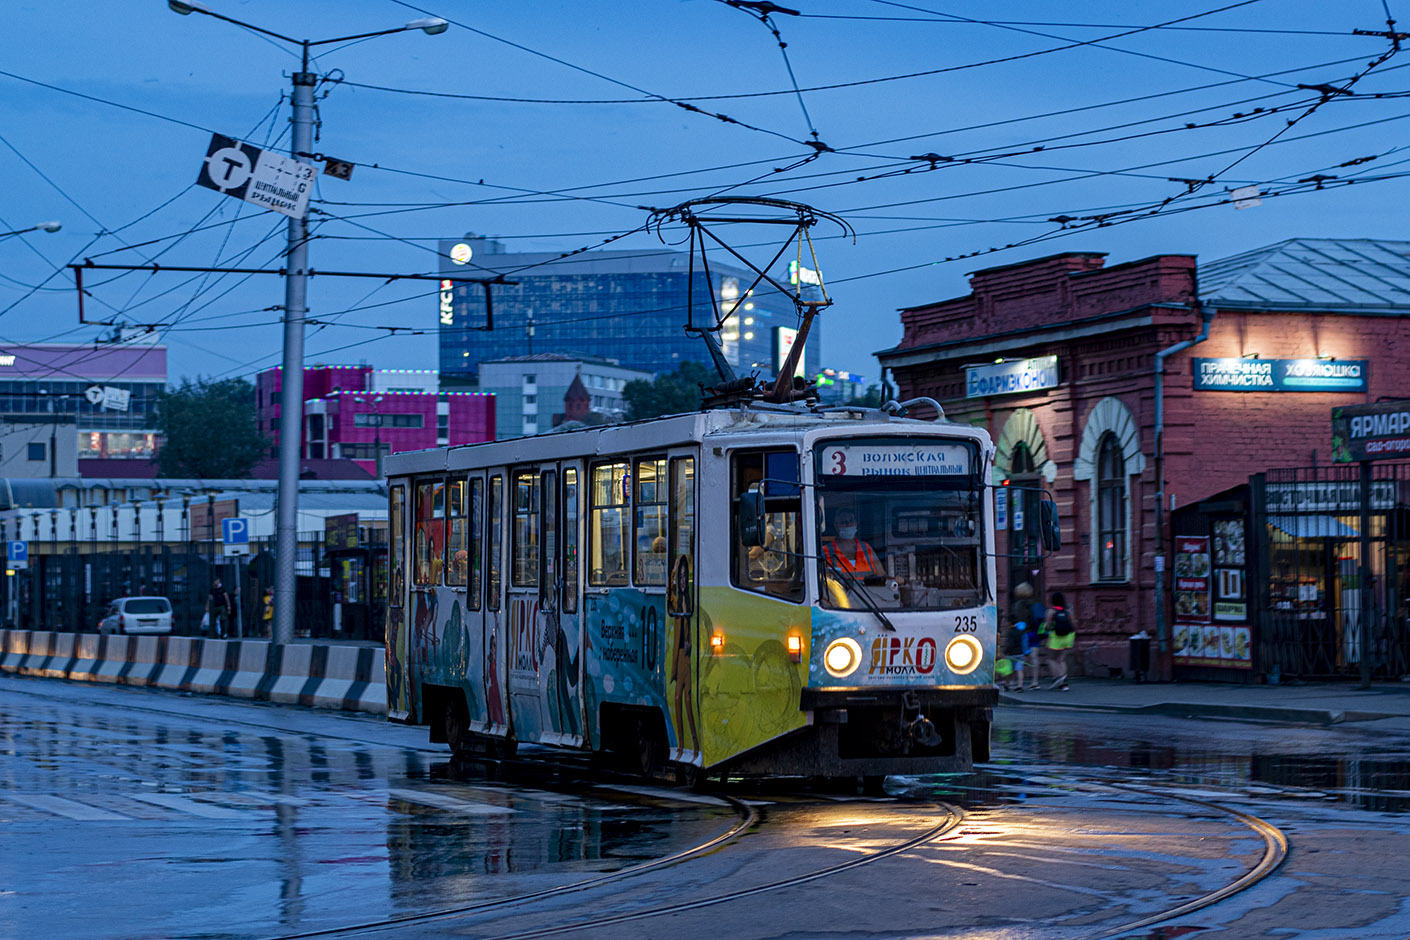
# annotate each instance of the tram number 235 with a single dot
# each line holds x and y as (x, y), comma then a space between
(967, 624)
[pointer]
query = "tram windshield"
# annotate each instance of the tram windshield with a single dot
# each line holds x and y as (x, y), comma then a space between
(900, 524)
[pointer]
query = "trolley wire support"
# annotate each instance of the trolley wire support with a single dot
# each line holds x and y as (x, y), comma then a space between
(699, 215)
(486, 282)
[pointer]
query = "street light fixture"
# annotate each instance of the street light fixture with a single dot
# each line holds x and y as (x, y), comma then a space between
(376, 403)
(295, 309)
(38, 227)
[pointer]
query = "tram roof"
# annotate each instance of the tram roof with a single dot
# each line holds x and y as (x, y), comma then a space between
(658, 433)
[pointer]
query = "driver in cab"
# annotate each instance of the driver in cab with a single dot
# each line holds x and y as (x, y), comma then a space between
(850, 554)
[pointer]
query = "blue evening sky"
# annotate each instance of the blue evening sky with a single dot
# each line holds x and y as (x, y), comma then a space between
(560, 176)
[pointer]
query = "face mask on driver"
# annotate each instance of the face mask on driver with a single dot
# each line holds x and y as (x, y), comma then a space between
(847, 532)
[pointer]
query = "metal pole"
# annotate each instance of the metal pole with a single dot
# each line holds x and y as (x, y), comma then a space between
(1367, 596)
(292, 391)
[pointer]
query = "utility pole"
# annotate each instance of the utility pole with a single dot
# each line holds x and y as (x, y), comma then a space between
(291, 392)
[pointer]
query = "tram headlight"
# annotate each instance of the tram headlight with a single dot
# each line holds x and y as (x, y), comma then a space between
(963, 655)
(842, 657)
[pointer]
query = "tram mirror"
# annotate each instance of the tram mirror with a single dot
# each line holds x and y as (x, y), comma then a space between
(1049, 529)
(750, 517)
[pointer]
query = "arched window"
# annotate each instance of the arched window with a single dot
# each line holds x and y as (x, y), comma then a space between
(1111, 509)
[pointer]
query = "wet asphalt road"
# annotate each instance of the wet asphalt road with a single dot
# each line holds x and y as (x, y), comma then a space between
(129, 813)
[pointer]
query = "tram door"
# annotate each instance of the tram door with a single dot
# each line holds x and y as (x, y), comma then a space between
(545, 642)
(683, 641)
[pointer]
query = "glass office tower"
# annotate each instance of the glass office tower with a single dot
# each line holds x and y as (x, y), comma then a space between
(630, 306)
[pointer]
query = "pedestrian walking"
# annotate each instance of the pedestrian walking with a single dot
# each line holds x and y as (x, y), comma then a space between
(219, 608)
(1028, 614)
(1008, 671)
(1061, 633)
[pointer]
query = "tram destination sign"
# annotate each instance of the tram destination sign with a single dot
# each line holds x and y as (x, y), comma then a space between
(1371, 432)
(895, 460)
(1280, 375)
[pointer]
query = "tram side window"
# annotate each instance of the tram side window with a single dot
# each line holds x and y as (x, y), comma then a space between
(525, 570)
(776, 567)
(474, 541)
(570, 540)
(430, 510)
(496, 539)
(457, 559)
(548, 538)
(607, 543)
(682, 576)
(650, 525)
(396, 548)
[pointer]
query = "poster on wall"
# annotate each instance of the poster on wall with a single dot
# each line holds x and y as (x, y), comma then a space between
(1211, 586)
(1192, 579)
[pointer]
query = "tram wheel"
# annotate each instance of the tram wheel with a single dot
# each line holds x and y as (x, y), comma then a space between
(649, 748)
(874, 785)
(454, 722)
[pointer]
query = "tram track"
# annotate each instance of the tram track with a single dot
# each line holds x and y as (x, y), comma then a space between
(748, 818)
(1275, 847)
(1275, 850)
(953, 816)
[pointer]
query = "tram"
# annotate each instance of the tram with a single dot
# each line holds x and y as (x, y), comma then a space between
(752, 590)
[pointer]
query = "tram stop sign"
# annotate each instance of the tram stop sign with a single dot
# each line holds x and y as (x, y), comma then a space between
(235, 533)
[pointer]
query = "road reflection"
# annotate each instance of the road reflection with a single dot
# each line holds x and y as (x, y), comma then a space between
(1359, 769)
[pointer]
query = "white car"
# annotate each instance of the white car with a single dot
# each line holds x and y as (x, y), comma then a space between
(137, 615)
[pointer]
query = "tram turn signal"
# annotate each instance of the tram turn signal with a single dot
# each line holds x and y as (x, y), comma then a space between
(842, 657)
(963, 655)
(794, 643)
(717, 643)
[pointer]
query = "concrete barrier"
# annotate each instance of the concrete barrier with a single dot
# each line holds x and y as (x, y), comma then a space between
(352, 678)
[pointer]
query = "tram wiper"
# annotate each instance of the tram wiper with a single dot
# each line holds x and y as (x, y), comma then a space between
(858, 590)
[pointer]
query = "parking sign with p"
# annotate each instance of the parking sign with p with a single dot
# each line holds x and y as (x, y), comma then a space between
(235, 533)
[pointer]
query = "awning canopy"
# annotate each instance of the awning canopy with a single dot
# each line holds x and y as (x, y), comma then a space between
(1313, 527)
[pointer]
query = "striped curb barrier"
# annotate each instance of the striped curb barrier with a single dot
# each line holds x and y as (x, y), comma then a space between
(351, 678)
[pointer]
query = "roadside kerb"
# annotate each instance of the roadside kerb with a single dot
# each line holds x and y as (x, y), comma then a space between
(320, 675)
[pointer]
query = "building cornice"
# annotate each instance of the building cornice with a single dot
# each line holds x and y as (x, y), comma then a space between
(979, 347)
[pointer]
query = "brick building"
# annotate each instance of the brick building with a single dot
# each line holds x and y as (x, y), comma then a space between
(1110, 385)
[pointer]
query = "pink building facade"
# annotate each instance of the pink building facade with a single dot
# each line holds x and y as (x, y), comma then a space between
(353, 412)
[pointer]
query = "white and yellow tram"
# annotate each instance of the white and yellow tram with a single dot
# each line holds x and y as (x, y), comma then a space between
(750, 590)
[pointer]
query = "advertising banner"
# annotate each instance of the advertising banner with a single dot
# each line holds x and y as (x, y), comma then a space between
(1371, 432)
(1011, 376)
(1280, 375)
(1192, 579)
(1210, 587)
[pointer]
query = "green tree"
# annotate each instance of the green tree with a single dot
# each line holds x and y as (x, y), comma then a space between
(208, 430)
(871, 398)
(670, 393)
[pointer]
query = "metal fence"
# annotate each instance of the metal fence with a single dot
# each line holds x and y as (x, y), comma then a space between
(1315, 619)
(69, 587)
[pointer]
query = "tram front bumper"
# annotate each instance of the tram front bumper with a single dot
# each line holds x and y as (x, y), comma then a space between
(867, 732)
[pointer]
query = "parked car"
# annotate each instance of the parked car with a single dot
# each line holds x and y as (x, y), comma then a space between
(137, 615)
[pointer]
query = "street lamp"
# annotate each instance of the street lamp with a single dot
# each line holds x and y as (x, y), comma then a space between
(39, 227)
(295, 295)
(376, 404)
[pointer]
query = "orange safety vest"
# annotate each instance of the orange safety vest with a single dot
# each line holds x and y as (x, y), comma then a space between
(864, 562)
